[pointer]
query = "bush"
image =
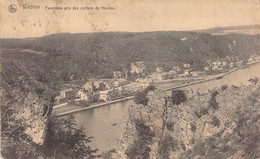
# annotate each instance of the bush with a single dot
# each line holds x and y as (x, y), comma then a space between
(224, 87)
(203, 111)
(178, 97)
(141, 97)
(140, 149)
(213, 102)
(167, 145)
(215, 121)
(193, 127)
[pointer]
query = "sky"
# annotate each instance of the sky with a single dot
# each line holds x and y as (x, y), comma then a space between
(127, 15)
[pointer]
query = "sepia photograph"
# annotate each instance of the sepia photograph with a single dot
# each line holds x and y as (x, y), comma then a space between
(130, 79)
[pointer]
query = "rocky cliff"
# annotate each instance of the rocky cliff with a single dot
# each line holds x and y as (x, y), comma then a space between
(25, 107)
(224, 123)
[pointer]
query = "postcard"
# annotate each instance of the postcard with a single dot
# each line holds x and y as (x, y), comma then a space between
(130, 79)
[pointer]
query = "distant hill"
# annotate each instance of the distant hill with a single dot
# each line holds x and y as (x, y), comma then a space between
(68, 56)
(246, 29)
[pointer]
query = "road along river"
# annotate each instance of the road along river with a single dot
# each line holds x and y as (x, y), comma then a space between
(105, 123)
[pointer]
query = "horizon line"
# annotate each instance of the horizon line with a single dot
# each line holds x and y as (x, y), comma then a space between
(193, 30)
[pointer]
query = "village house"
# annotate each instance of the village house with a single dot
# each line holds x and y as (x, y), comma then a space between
(156, 77)
(187, 72)
(88, 87)
(82, 94)
(239, 63)
(217, 63)
(224, 63)
(159, 70)
(201, 73)
(132, 87)
(195, 73)
(208, 62)
(215, 68)
(120, 82)
(173, 72)
(250, 60)
(117, 74)
(103, 95)
(206, 68)
(66, 95)
(60, 99)
(176, 68)
(137, 67)
(93, 85)
(186, 65)
(231, 65)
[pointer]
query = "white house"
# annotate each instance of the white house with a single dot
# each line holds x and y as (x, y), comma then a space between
(217, 63)
(195, 73)
(215, 68)
(120, 82)
(137, 67)
(186, 65)
(176, 68)
(83, 95)
(159, 70)
(206, 68)
(224, 63)
(104, 94)
(187, 72)
(117, 74)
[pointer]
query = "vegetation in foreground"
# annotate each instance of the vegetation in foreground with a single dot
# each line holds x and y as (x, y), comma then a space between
(27, 131)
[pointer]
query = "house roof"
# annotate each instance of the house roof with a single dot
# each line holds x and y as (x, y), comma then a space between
(67, 90)
(140, 64)
(60, 97)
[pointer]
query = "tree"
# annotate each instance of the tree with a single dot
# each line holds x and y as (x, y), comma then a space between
(213, 101)
(178, 97)
(140, 149)
(141, 97)
(64, 139)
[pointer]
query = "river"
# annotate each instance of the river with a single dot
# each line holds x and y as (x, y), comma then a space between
(105, 123)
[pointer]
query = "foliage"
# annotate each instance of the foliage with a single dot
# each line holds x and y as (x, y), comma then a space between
(213, 102)
(224, 87)
(63, 139)
(140, 148)
(193, 127)
(108, 154)
(178, 97)
(20, 92)
(141, 96)
(215, 121)
(167, 145)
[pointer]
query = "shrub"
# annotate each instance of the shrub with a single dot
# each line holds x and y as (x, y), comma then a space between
(213, 102)
(198, 115)
(178, 97)
(170, 126)
(215, 121)
(141, 97)
(224, 87)
(140, 149)
(167, 145)
(204, 110)
(193, 127)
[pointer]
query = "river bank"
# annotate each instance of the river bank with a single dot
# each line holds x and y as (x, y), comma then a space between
(92, 106)
(65, 109)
